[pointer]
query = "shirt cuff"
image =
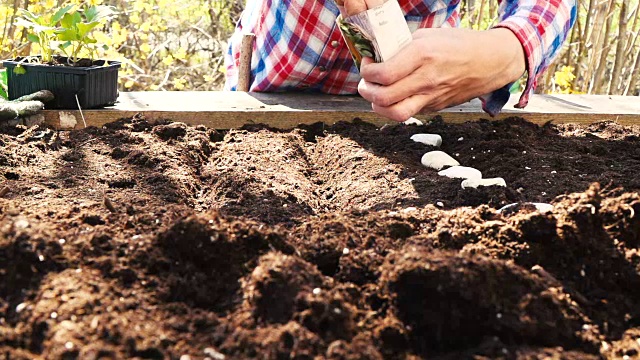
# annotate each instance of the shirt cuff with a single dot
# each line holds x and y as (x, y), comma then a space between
(493, 102)
(528, 35)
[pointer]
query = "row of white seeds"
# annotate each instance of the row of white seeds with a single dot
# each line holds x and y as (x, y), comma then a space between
(450, 167)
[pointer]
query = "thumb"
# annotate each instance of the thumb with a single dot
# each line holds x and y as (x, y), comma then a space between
(366, 61)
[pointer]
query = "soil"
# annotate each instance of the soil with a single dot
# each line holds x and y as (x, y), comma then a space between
(61, 61)
(166, 241)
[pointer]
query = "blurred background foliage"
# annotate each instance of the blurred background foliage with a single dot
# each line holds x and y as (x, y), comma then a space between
(178, 44)
(601, 55)
(164, 44)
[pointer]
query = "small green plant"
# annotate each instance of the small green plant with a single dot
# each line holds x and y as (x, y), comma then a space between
(77, 27)
(68, 31)
(42, 29)
(3, 84)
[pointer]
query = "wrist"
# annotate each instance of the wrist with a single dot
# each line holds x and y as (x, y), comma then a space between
(507, 53)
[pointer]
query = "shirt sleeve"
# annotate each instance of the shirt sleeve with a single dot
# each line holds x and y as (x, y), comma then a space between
(542, 26)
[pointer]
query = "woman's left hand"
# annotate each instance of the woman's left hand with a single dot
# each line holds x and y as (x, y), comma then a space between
(441, 67)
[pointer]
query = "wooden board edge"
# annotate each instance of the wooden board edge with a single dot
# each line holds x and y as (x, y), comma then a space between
(68, 120)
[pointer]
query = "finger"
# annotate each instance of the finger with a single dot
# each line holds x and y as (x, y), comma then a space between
(373, 3)
(367, 61)
(391, 94)
(403, 110)
(399, 66)
(368, 90)
(354, 7)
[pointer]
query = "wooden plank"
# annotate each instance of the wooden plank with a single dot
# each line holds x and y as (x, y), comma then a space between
(223, 110)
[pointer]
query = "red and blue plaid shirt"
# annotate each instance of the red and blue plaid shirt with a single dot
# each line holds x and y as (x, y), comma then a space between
(299, 47)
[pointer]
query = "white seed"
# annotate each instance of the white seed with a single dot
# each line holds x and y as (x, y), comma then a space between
(54, 315)
(543, 207)
(413, 121)
(20, 307)
(554, 172)
(68, 345)
(461, 172)
(528, 168)
(94, 322)
(474, 183)
(62, 241)
(21, 224)
(438, 160)
(440, 204)
(460, 138)
(214, 354)
(316, 291)
(345, 251)
(428, 139)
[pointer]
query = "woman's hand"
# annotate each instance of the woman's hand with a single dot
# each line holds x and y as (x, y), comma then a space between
(441, 67)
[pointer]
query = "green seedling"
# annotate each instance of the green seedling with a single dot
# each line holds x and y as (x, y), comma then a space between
(42, 29)
(3, 84)
(77, 28)
(67, 32)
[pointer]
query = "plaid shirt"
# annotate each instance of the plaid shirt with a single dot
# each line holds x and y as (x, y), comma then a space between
(299, 47)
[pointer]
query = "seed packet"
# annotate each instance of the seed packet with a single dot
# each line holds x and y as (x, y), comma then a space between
(378, 33)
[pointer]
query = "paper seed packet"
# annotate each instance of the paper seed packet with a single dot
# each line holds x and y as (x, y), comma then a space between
(378, 33)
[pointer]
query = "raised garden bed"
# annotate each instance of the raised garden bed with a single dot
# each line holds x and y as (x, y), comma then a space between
(318, 242)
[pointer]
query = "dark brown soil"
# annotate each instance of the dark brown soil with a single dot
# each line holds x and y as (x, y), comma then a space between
(61, 61)
(168, 241)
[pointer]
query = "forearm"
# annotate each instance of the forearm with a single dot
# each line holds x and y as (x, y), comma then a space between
(500, 57)
(541, 28)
